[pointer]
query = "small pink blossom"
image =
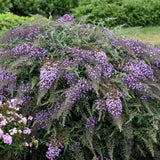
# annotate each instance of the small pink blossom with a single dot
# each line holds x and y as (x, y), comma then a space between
(27, 131)
(11, 133)
(15, 130)
(30, 117)
(26, 144)
(19, 131)
(8, 112)
(14, 101)
(3, 122)
(7, 139)
(24, 120)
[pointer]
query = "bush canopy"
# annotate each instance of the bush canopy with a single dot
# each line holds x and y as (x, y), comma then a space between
(92, 94)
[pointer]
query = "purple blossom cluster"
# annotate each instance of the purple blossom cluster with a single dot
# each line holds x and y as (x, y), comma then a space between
(144, 98)
(144, 50)
(141, 50)
(134, 83)
(111, 103)
(90, 124)
(101, 57)
(137, 72)
(140, 69)
(94, 72)
(68, 76)
(30, 50)
(44, 118)
(48, 74)
(23, 32)
(10, 82)
(74, 147)
(81, 55)
(95, 62)
(78, 90)
(54, 148)
(67, 19)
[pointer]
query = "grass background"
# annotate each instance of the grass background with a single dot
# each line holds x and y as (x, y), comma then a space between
(149, 34)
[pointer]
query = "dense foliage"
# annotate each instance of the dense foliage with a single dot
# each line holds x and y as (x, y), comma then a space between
(43, 7)
(10, 21)
(112, 13)
(92, 95)
(5, 5)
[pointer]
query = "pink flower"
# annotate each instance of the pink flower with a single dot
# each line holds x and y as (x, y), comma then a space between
(3, 122)
(14, 130)
(27, 131)
(26, 144)
(1, 133)
(24, 120)
(7, 139)
(30, 117)
(14, 101)
(19, 131)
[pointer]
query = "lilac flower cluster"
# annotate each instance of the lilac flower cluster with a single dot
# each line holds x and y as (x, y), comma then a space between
(108, 70)
(54, 149)
(95, 62)
(90, 124)
(44, 118)
(144, 98)
(101, 57)
(144, 50)
(140, 69)
(8, 77)
(140, 49)
(48, 74)
(94, 72)
(30, 50)
(78, 90)
(67, 19)
(75, 147)
(137, 72)
(111, 103)
(23, 32)
(68, 76)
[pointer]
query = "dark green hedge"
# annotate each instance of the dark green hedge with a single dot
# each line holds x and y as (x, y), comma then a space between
(43, 7)
(130, 13)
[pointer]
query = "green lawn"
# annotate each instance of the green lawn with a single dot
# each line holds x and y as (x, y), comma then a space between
(145, 34)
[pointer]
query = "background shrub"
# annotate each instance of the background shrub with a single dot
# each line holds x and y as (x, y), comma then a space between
(130, 13)
(9, 20)
(43, 7)
(5, 5)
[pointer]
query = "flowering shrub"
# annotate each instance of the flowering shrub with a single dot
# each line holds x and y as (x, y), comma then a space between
(92, 95)
(13, 128)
